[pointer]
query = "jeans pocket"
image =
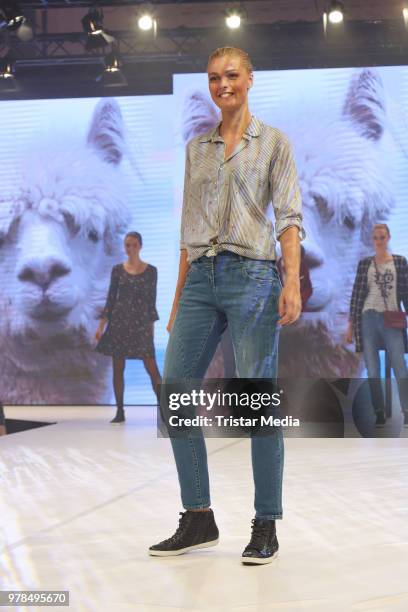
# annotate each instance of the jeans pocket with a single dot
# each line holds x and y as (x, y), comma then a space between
(260, 271)
(190, 272)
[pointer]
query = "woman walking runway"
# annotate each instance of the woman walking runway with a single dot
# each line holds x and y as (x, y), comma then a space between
(228, 276)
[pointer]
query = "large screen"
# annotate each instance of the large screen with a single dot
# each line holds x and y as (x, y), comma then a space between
(76, 174)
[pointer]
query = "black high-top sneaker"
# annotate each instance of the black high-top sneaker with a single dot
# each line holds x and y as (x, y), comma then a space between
(195, 530)
(263, 545)
(119, 416)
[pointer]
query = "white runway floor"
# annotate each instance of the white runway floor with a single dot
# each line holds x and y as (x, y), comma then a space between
(81, 501)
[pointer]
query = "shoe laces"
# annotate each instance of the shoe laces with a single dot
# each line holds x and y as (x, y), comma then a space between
(179, 529)
(260, 530)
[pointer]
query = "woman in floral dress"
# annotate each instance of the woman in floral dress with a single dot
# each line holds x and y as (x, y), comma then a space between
(126, 327)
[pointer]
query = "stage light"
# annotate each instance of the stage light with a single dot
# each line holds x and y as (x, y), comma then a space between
(233, 20)
(234, 17)
(112, 75)
(146, 18)
(8, 82)
(405, 15)
(335, 12)
(92, 24)
(6, 70)
(112, 62)
(145, 22)
(11, 16)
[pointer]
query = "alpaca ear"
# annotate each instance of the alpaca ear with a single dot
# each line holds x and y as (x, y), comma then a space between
(106, 132)
(9, 210)
(365, 104)
(199, 115)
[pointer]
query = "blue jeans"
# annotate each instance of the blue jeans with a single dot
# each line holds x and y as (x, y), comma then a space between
(375, 336)
(243, 293)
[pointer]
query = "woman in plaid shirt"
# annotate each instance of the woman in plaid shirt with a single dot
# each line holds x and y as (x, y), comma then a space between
(381, 283)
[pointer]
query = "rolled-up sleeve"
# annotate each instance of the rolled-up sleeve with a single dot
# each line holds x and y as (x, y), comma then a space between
(353, 311)
(404, 283)
(285, 191)
(186, 191)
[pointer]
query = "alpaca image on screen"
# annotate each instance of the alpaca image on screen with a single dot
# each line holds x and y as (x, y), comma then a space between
(344, 169)
(60, 235)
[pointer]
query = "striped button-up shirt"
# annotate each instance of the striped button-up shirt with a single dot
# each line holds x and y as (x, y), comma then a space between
(226, 201)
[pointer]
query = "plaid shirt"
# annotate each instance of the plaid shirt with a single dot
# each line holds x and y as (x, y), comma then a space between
(360, 290)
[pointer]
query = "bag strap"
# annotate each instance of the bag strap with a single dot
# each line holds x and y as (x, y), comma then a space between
(381, 289)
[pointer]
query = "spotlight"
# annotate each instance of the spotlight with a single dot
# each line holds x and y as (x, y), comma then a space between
(11, 16)
(112, 62)
(92, 24)
(8, 82)
(6, 70)
(112, 76)
(233, 18)
(145, 22)
(335, 12)
(405, 15)
(233, 21)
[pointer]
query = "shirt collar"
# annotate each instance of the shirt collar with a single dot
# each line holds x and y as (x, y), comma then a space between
(253, 129)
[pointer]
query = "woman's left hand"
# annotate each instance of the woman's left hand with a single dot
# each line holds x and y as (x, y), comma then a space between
(290, 303)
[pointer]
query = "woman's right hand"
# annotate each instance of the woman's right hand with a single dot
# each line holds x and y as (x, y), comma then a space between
(172, 317)
(349, 334)
(183, 269)
(99, 331)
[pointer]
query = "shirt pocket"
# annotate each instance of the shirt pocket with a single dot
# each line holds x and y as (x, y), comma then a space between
(251, 192)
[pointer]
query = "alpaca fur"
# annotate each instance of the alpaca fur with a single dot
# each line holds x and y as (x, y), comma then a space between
(59, 237)
(346, 187)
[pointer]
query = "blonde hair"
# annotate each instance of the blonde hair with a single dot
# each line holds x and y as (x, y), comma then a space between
(382, 226)
(223, 51)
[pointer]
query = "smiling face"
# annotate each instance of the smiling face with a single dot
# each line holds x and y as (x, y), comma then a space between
(229, 81)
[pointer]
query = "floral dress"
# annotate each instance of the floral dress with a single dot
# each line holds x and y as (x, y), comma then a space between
(131, 310)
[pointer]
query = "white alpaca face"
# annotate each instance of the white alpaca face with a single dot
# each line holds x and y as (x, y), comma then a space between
(59, 237)
(345, 188)
(48, 276)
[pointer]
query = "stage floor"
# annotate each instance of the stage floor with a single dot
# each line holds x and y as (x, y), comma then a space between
(81, 501)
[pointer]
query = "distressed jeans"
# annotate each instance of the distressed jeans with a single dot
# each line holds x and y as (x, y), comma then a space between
(375, 336)
(243, 293)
